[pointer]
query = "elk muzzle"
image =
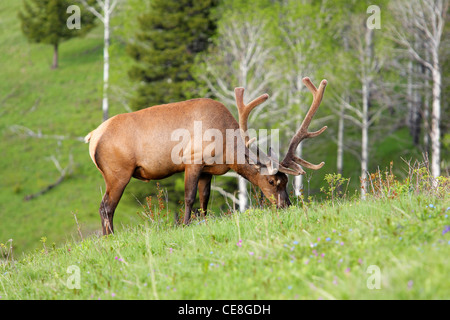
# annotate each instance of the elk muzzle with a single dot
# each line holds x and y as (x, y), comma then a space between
(282, 200)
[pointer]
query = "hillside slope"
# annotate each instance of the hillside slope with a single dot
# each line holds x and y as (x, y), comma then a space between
(66, 102)
(383, 249)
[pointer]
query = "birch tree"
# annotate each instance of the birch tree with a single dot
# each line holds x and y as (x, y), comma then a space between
(339, 77)
(425, 19)
(362, 71)
(107, 7)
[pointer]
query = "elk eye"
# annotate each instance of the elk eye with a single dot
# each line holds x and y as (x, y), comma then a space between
(271, 182)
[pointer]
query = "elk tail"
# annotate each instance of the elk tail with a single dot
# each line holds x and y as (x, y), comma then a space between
(88, 137)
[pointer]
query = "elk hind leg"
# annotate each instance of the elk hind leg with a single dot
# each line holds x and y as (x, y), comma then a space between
(114, 190)
(191, 179)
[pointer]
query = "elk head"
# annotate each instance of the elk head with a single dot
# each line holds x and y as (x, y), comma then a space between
(274, 184)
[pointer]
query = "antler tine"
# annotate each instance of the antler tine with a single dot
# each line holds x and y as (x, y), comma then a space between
(244, 111)
(291, 161)
(317, 99)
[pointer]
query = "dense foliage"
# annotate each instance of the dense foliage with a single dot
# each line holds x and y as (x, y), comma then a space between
(171, 33)
(46, 22)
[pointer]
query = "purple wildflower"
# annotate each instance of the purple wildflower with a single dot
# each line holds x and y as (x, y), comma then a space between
(410, 284)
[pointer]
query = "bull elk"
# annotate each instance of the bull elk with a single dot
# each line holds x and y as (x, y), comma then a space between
(140, 145)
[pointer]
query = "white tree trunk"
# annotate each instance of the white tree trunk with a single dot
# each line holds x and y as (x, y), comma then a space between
(365, 79)
(243, 199)
(340, 142)
(108, 8)
(106, 16)
(242, 182)
(298, 180)
(364, 140)
(435, 118)
(426, 108)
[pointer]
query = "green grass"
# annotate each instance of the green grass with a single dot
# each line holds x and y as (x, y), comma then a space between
(322, 251)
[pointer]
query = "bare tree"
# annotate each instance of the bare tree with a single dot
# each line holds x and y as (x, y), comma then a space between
(425, 19)
(363, 68)
(27, 132)
(341, 95)
(340, 139)
(108, 7)
(64, 172)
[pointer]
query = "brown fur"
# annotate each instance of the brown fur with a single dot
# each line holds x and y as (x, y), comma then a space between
(138, 144)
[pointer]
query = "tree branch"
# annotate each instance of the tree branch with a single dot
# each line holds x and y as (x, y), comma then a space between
(93, 11)
(226, 195)
(63, 174)
(21, 130)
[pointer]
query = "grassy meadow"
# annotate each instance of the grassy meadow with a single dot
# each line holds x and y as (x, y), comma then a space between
(320, 251)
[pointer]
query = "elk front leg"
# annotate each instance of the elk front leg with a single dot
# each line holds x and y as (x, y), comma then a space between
(191, 179)
(204, 190)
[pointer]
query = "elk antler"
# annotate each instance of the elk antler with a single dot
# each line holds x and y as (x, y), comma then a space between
(244, 111)
(291, 162)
